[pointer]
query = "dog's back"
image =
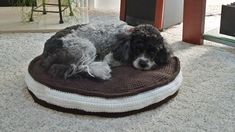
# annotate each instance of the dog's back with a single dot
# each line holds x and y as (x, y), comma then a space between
(68, 45)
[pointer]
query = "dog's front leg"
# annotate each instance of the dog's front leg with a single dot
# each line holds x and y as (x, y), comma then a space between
(111, 61)
(100, 70)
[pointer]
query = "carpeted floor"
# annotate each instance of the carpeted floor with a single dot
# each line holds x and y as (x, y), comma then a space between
(205, 102)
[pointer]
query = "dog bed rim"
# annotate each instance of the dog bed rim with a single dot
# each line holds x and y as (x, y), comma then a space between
(98, 93)
(99, 104)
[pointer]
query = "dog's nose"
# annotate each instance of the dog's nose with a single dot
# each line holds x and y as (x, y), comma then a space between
(143, 63)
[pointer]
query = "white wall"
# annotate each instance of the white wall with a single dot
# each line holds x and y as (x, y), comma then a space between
(173, 13)
(91, 4)
(105, 4)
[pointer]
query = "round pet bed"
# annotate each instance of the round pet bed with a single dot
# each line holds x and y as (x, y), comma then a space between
(129, 91)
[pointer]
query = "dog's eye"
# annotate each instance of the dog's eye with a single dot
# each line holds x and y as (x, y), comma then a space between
(152, 52)
(138, 50)
(139, 47)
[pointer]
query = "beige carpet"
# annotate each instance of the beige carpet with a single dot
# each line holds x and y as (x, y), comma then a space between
(206, 100)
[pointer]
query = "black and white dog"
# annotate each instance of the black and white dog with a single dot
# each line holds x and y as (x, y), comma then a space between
(93, 49)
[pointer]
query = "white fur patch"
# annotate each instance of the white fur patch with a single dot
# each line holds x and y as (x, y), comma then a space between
(100, 70)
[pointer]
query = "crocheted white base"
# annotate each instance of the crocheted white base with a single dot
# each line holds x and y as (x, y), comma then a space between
(99, 104)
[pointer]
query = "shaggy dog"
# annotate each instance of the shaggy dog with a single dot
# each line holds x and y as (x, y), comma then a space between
(93, 49)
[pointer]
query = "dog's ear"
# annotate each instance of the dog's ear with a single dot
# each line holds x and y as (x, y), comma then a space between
(163, 54)
(122, 50)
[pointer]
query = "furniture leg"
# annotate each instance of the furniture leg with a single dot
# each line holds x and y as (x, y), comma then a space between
(158, 22)
(44, 7)
(123, 10)
(60, 12)
(70, 8)
(193, 21)
(32, 6)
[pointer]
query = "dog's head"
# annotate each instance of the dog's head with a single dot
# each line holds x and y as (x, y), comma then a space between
(144, 48)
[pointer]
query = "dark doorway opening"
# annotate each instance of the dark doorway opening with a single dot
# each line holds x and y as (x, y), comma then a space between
(4, 3)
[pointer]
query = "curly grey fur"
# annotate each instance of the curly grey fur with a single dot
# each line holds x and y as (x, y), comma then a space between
(77, 48)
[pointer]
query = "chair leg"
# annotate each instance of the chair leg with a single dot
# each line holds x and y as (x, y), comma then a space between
(44, 7)
(60, 12)
(32, 5)
(70, 8)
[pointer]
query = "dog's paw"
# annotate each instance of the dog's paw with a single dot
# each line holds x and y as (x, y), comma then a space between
(100, 70)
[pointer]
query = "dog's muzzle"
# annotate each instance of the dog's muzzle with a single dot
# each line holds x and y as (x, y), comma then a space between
(143, 63)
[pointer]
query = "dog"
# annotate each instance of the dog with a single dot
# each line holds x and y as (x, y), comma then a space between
(92, 50)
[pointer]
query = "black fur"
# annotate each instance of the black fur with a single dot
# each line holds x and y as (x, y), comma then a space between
(143, 39)
(122, 51)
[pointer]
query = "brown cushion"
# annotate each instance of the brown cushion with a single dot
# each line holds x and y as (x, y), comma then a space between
(125, 80)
